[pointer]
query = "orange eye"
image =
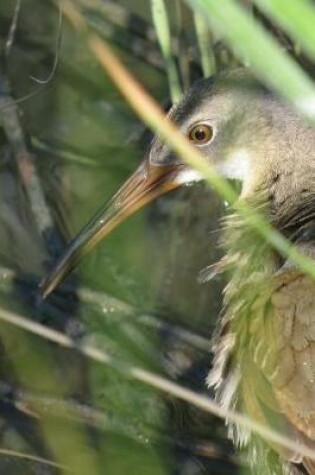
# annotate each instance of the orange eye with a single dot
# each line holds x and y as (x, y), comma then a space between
(201, 134)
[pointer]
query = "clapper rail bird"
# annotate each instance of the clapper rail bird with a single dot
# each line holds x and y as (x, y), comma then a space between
(264, 347)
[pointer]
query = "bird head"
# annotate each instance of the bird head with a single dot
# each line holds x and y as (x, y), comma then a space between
(232, 120)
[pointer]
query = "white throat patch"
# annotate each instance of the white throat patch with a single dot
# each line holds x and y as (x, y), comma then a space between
(188, 176)
(236, 166)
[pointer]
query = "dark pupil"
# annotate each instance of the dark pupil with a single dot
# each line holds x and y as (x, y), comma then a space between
(200, 134)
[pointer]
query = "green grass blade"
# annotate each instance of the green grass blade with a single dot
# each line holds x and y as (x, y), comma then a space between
(205, 45)
(162, 28)
(256, 47)
(296, 17)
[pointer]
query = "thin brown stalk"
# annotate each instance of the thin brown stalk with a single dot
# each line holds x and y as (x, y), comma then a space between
(33, 458)
(154, 380)
(107, 304)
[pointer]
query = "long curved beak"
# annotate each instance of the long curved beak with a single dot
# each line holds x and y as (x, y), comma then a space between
(147, 183)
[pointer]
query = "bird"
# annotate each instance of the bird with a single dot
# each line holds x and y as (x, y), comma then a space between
(264, 345)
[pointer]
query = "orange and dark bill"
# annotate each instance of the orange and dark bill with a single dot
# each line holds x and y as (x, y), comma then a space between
(147, 183)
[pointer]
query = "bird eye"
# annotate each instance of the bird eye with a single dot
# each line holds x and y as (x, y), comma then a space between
(201, 134)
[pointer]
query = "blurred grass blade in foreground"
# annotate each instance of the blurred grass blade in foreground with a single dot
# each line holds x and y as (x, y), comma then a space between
(296, 17)
(256, 47)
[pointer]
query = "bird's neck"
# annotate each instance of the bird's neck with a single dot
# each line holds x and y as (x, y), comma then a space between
(248, 252)
(295, 217)
(279, 155)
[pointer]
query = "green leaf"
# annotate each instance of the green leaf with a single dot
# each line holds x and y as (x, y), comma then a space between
(257, 48)
(162, 28)
(205, 46)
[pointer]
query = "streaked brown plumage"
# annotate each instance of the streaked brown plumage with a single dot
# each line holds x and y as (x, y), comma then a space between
(265, 346)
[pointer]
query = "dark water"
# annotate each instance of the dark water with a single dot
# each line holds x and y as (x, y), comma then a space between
(84, 141)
